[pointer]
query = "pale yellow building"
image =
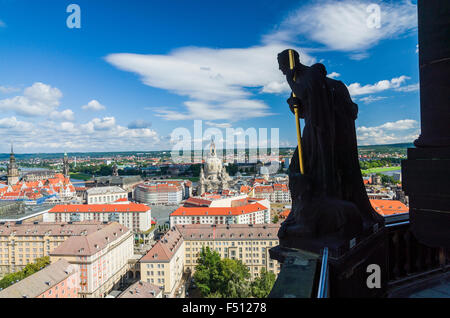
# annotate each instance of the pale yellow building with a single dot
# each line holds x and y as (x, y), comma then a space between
(177, 252)
(163, 265)
(21, 244)
(101, 257)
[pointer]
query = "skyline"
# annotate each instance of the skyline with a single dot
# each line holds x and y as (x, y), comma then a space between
(130, 75)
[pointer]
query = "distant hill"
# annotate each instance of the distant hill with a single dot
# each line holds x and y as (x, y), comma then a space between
(386, 148)
(5, 156)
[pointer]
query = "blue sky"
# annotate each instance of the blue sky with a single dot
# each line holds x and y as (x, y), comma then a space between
(136, 70)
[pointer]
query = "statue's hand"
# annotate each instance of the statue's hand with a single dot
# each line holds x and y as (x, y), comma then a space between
(293, 102)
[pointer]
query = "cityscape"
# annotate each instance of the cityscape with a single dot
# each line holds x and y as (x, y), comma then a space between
(246, 150)
(167, 213)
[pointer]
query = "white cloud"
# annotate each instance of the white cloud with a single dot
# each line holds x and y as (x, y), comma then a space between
(12, 124)
(139, 123)
(232, 110)
(217, 125)
(66, 115)
(333, 75)
(405, 130)
(342, 25)
(8, 89)
(371, 99)
(2, 24)
(38, 100)
(356, 89)
(93, 105)
(99, 124)
(99, 134)
(212, 79)
(409, 88)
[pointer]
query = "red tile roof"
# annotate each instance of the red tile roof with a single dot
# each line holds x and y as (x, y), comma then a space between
(72, 208)
(285, 213)
(389, 207)
(263, 189)
(197, 202)
(188, 211)
(91, 243)
(164, 249)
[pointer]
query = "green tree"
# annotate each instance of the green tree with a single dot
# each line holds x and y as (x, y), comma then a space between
(275, 219)
(223, 278)
(29, 269)
(262, 285)
(207, 272)
(235, 279)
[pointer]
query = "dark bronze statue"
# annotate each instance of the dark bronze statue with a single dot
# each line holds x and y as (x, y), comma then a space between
(329, 198)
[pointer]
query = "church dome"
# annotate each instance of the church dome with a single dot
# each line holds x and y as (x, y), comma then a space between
(213, 164)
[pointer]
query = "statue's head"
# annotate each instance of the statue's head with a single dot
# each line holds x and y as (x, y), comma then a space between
(283, 60)
(321, 68)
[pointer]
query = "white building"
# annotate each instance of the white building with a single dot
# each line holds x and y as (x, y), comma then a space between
(274, 193)
(136, 217)
(105, 194)
(159, 193)
(251, 213)
(101, 257)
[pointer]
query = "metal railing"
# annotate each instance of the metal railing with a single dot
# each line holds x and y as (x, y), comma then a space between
(409, 259)
(322, 291)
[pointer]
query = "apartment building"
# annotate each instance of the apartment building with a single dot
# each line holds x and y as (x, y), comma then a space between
(281, 193)
(251, 213)
(57, 280)
(105, 194)
(277, 192)
(178, 251)
(163, 265)
(248, 243)
(134, 216)
(159, 193)
(21, 244)
(101, 258)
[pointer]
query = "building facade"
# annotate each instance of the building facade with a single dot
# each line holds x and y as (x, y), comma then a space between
(105, 194)
(159, 193)
(58, 280)
(163, 265)
(21, 244)
(177, 252)
(134, 216)
(101, 258)
(252, 213)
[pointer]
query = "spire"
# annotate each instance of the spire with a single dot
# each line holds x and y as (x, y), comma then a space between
(12, 148)
(213, 147)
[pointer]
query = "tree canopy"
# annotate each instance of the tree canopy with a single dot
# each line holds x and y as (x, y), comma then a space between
(29, 269)
(229, 278)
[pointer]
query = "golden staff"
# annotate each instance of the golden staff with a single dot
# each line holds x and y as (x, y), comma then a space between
(297, 119)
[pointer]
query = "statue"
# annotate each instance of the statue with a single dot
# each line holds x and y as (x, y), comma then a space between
(329, 198)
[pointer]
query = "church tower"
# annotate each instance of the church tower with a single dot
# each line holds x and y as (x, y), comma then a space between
(115, 170)
(65, 166)
(13, 171)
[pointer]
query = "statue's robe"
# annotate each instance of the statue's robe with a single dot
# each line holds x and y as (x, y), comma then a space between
(330, 158)
(318, 136)
(350, 182)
